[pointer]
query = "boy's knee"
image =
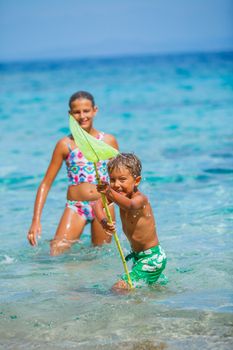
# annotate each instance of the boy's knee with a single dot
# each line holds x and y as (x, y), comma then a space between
(120, 287)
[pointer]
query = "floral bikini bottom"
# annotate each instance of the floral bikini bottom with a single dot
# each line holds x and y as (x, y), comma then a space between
(82, 208)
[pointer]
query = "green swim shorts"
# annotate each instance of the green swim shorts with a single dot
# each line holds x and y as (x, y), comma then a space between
(147, 266)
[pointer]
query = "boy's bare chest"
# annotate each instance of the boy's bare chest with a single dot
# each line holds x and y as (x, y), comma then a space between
(130, 218)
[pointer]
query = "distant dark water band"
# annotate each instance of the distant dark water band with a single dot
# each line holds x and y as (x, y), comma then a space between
(31, 182)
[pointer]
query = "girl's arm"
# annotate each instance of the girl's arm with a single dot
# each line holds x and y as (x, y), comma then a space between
(42, 192)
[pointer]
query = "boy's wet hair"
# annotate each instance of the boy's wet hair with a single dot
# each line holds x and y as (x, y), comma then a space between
(127, 160)
(82, 94)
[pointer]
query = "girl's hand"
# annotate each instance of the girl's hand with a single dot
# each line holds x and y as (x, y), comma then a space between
(34, 231)
(108, 227)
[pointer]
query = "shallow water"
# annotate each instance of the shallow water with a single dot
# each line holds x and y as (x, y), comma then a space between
(175, 113)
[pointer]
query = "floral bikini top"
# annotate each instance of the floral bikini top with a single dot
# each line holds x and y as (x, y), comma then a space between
(80, 170)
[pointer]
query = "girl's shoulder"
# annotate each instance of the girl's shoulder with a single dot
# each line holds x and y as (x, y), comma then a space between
(64, 140)
(62, 145)
(110, 140)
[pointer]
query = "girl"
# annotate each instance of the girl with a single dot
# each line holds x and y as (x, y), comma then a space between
(82, 190)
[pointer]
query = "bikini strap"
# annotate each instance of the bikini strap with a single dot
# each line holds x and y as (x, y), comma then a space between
(101, 135)
(69, 147)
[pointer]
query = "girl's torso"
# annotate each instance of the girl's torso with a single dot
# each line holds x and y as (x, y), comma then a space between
(81, 173)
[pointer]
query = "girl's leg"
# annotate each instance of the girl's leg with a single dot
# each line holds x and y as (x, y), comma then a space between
(69, 230)
(98, 235)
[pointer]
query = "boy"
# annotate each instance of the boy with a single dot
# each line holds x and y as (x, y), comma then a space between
(138, 223)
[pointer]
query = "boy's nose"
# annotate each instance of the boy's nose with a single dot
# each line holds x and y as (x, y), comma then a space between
(117, 184)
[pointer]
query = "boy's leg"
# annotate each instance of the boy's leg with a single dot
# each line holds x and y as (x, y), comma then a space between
(120, 287)
(148, 266)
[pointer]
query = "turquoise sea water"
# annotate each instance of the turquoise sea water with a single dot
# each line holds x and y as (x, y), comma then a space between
(175, 113)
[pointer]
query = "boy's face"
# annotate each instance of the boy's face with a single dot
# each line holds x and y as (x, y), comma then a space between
(123, 182)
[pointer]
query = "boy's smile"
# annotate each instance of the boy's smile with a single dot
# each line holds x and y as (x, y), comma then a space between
(123, 182)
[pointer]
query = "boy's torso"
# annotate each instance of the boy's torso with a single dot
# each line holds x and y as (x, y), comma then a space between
(139, 227)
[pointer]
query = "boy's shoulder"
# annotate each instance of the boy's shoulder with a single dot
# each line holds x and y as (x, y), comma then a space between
(141, 196)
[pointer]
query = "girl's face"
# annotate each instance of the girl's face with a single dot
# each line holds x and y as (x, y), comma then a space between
(122, 181)
(83, 112)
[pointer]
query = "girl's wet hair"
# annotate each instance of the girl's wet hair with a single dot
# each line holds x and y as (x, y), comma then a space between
(82, 94)
(126, 160)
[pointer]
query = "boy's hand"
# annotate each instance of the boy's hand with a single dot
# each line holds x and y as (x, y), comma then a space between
(108, 227)
(104, 187)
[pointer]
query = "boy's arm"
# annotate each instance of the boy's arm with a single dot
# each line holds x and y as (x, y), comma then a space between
(123, 202)
(98, 210)
(101, 216)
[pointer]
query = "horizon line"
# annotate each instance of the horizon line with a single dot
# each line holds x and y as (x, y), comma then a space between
(116, 56)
